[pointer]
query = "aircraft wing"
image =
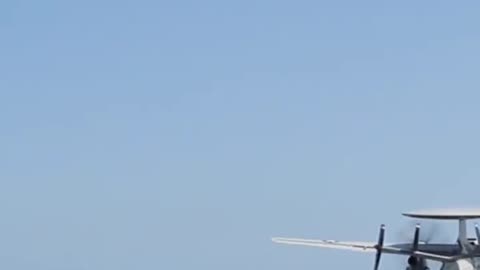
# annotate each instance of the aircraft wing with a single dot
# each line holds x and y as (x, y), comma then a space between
(432, 252)
(354, 246)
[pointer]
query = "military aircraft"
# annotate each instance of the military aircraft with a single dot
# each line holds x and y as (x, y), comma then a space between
(462, 255)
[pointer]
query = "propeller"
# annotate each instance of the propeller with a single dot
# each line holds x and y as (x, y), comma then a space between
(379, 246)
(431, 232)
(416, 263)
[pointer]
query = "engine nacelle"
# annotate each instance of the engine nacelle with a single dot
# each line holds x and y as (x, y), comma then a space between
(412, 261)
(415, 263)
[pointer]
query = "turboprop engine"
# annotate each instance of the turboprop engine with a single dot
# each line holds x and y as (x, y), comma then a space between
(415, 263)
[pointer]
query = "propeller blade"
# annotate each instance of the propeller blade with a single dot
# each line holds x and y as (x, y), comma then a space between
(477, 232)
(416, 237)
(377, 260)
(379, 246)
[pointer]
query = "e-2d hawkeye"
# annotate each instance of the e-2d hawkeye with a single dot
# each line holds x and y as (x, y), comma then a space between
(462, 255)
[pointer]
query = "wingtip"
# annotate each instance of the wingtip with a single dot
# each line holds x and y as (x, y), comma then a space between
(276, 239)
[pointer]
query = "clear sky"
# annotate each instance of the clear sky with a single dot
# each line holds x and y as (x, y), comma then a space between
(184, 134)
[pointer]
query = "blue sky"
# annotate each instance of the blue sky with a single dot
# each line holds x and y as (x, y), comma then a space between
(184, 134)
